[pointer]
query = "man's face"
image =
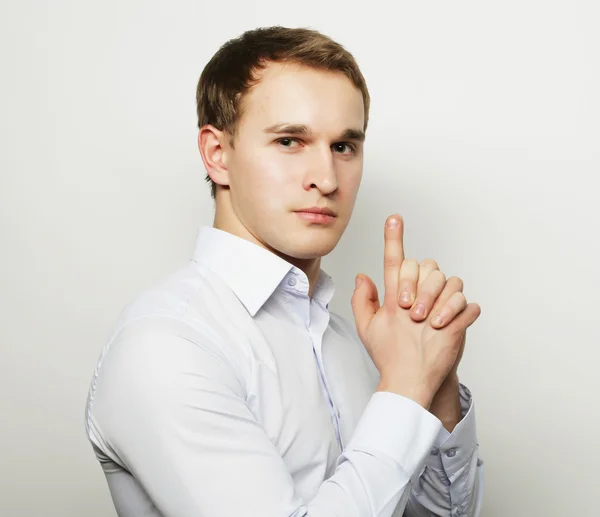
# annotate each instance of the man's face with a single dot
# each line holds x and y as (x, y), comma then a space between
(298, 145)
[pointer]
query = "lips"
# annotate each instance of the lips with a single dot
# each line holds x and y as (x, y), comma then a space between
(318, 210)
(316, 215)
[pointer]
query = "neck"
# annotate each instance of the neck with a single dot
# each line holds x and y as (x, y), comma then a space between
(226, 220)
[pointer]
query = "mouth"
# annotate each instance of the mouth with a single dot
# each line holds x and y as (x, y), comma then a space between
(317, 215)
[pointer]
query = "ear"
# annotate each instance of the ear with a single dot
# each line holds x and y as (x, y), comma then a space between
(213, 147)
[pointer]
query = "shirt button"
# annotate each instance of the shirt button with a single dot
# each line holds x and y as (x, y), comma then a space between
(292, 281)
(435, 451)
(451, 452)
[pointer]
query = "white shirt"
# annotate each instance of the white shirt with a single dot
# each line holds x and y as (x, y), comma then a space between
(225, 391)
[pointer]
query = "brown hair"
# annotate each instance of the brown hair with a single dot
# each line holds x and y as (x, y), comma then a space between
(230, 72)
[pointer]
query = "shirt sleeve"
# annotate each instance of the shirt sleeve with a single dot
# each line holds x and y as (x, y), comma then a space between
(451, 482)
(173, 411)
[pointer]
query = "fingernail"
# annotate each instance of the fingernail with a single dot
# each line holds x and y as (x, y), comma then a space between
(419, 310)
(358, 281)
(393, 223)
(439, 319)
(406, 297)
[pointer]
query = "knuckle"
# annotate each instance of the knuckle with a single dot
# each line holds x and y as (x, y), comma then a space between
(390, 261)
(456, 282)
(460, 298)
(456, 331)
(440, 275)
(429, 263)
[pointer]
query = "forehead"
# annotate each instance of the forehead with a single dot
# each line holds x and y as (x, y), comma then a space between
(290, 93)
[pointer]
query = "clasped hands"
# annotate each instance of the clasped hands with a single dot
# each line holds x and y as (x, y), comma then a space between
(416, 338)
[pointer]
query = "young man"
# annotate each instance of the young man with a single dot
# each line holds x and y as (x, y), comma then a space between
(230, 389)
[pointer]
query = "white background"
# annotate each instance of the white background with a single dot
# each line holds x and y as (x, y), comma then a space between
(484, 135)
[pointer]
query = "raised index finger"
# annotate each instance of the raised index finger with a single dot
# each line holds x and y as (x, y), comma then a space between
(393, 256)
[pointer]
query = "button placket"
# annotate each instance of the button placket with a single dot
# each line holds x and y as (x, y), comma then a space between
(334, 411)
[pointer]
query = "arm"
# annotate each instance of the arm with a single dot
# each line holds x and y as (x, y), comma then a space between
(173, 409)
(447, 479)
(446, 403)
(452, 480)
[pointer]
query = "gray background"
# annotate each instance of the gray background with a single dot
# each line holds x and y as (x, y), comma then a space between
(484, 135)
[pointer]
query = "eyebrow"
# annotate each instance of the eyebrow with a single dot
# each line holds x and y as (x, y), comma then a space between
(301, 129)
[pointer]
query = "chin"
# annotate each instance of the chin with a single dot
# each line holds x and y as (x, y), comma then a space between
(312, 245)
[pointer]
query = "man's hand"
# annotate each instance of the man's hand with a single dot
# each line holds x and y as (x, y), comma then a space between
(413, 357)
(425, 291)
(424, 287)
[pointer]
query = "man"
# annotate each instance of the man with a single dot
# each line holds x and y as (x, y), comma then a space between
(230, 389)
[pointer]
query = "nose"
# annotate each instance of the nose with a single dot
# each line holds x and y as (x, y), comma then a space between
(321, 172)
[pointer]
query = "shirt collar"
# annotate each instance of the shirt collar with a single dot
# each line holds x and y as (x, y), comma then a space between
(252, 272)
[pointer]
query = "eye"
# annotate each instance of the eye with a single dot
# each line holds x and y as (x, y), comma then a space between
(287, 142)
(344, 148)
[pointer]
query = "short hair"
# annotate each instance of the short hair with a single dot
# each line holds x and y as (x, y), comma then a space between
(230, 73)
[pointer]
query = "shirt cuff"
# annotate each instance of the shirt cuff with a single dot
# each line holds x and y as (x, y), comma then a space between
(451, 451)
(397, 427)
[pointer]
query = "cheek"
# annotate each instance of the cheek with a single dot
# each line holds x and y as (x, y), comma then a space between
(349, 182)
(278, 168)
(278, 171)
(267, 176)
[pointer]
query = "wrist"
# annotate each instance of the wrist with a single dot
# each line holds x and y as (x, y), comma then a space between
(422, 396)
(450, 384)
(445, 404)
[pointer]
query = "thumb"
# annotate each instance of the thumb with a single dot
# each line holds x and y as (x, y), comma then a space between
(365, 303)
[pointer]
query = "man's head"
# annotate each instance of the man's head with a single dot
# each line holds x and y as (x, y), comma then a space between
(282, 115)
